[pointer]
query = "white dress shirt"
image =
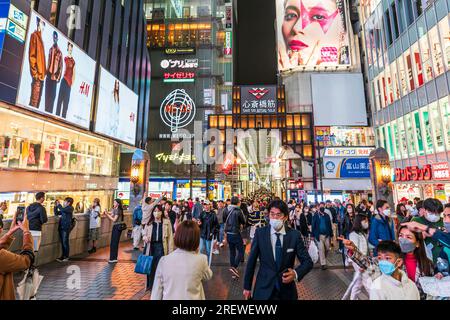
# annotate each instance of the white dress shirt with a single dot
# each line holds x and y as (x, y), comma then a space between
(273, 240)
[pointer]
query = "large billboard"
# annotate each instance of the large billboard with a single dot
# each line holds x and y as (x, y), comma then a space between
(312, 33)
(116, 109)
(338, 99)
(57, 77)
(346, 168)
(258, 99)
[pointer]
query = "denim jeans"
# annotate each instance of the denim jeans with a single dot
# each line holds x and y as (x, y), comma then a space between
(205, 245)
(235, 243)
(64, 237)
(221, 232)
(157, 251)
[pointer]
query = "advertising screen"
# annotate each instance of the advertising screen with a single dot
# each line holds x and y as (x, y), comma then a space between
(57, 77)
(117, 109)
(312, 33)
(346, 168)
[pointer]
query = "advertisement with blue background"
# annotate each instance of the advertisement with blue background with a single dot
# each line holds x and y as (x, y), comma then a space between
(346, 168)
(4, 10)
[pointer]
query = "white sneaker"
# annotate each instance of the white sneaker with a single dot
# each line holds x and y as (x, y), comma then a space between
(216, 252)
(112, 261)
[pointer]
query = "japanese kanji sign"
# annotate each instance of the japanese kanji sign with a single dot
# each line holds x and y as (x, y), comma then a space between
(346, 168)
(258, 99)
(179, 64)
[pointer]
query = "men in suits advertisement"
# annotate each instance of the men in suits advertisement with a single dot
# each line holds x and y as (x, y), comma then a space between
(57, 77)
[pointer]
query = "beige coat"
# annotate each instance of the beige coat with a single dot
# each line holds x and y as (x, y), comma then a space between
(167, 236)
(10, 263)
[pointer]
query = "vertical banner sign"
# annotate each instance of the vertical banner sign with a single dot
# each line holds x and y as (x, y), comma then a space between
(227, 48)
(228, 16)
(4, 9)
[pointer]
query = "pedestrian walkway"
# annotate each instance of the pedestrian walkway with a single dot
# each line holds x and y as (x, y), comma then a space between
(91, 277)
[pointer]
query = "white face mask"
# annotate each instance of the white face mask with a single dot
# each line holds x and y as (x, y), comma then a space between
(365, 225)
(350, 210)
(276, 224)
(387, 212)
(432, 217)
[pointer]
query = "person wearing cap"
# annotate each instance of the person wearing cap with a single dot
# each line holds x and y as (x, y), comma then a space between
(209, 228)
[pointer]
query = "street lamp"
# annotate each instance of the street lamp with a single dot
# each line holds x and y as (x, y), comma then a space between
(385, 171)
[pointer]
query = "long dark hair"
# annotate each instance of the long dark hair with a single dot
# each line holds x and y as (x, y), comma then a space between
(425, 264)
(152, 217)
(353, 207)
(116, 91)
(357, 224)
(398, 210)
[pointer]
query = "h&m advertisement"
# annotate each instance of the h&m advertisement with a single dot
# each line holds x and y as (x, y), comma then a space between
(57, 77)
(312, 33)
(116, 109)
(336, 168)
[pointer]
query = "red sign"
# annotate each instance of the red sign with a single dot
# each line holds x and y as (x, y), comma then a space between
(414, 173)
(179, 75)
(441, 171)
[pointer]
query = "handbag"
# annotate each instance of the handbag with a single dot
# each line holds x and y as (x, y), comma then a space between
(144, 263)
(28, 287)
(313, 251)
(123, 225)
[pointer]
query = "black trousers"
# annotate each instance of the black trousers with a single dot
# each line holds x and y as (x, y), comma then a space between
(50, 94)
(157, 251)
(64, 237)
(115, 239)
(63, 99)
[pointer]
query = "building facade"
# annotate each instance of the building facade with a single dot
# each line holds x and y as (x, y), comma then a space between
(407, 52)
(73, 98)
(190, 46)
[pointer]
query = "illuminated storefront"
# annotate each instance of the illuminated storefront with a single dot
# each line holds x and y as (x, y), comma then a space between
(428, 181)
(407, 47)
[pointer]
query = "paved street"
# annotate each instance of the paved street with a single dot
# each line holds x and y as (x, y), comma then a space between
(102, 281)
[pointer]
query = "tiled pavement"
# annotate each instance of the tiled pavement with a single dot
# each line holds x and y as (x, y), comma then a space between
(99, 280)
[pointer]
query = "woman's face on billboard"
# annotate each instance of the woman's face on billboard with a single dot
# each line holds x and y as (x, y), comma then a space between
(305, 22)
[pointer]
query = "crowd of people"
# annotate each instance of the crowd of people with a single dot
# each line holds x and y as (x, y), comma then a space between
(390, 251)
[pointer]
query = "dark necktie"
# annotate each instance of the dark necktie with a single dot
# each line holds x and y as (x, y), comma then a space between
(278, 258)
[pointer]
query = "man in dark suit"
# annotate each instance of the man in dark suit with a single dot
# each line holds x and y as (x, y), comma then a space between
(276, 246)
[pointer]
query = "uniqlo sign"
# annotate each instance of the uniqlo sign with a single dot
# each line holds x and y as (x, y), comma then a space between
(441, 171)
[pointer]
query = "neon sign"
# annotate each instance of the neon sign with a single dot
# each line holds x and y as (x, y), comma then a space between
(177, 110)
(174, 157)
(414, 173)
(179, 77)
(181, 64)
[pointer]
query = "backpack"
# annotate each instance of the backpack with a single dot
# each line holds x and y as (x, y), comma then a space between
(73, 223)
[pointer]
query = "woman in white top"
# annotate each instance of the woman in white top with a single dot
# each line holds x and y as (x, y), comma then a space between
(173, 282)
(358, 236)
(95, 220)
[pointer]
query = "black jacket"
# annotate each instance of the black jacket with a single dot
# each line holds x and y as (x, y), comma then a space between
(234, 220)
(66, 214)
(37, 216)
(268, 273)
(210, 225)
(301, 224)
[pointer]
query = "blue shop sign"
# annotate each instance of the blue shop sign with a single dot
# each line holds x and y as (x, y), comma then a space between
(355, 168)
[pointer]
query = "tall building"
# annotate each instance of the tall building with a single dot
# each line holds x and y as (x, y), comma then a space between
(190, 46)
(74, 91)
(407, 54)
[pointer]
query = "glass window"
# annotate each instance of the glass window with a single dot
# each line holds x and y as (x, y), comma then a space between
(384, 90)
(32, 144)
(444, 31)
(402, 138)
(412, 144)
(396, 142)
(389, 87)
(402, 74)
(410, 75)
(438, 134)
(426, 58)
(426, 129)
(418, 133)
(396, 87)
(444, 106)
(436, 51)
(417, 64)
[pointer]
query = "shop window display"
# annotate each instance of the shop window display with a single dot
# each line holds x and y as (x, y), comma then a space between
(412, 146)
(444, 31)
(426, 58)
(436, 51)
(417, 64)
(426, 128)
(409, 70)
(419, 135)
(444, 107)
(402, 74)
(438, 134)
(395, 84)
(402, 138)
(32, 144)
(389, 86)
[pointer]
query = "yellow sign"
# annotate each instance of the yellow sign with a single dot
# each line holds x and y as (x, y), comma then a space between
(174, 157)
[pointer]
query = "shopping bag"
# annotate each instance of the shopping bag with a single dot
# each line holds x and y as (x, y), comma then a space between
(313, 251)
(28, 287)
(144, 263)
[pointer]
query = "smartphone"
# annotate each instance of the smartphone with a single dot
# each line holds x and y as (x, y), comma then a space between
(20, 214)
(284, 271)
